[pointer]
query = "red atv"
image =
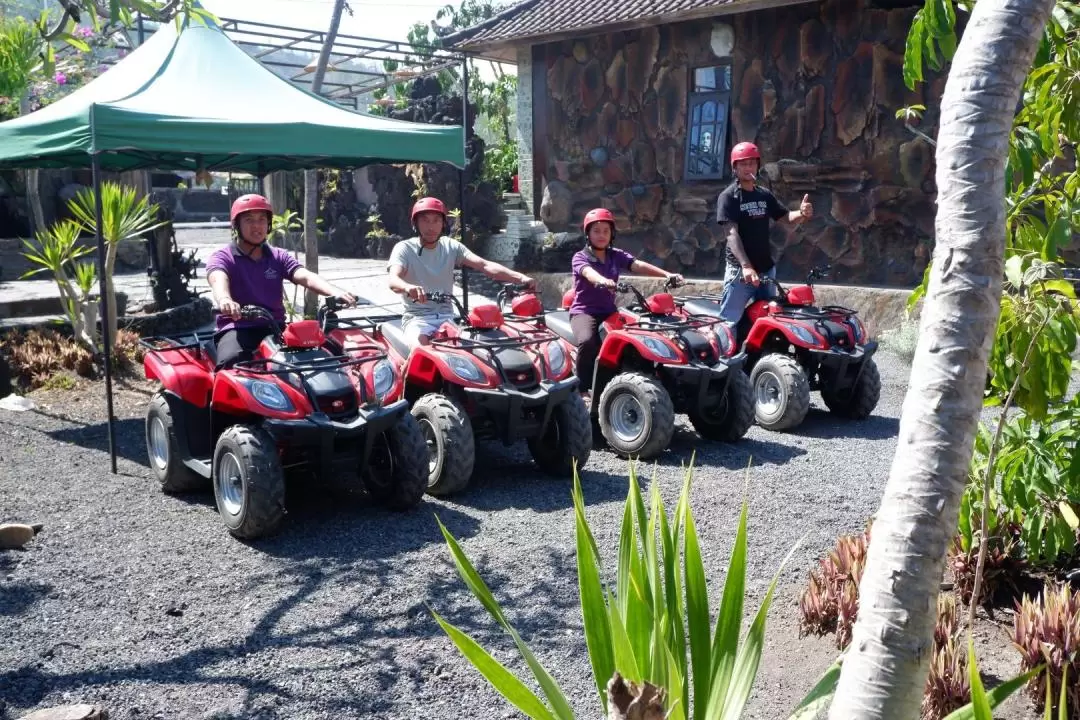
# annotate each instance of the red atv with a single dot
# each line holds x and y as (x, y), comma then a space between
(793, 347)
(481, 377)
(653, 363)
(304, 401)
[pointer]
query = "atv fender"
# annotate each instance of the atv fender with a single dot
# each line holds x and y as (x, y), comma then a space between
(617, 341)
(766, 326)
(180, 375)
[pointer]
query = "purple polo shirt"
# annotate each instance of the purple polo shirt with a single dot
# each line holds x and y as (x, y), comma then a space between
(587, 297)
(254, 282)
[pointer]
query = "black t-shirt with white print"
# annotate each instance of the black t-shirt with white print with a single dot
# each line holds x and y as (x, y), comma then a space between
(751, 210)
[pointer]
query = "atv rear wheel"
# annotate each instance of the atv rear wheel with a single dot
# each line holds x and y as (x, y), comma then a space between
(161, 447)
(448, 435)
(859, 401)
(397, 471)
(568, 439)
(732, 417)
(249, 484)
(781, 392)
(636, 416)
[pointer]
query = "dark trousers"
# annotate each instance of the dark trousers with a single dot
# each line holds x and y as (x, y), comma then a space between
(587, 338)
(238, 344)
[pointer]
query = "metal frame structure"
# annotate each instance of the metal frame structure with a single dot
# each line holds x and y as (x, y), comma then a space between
(264, 40)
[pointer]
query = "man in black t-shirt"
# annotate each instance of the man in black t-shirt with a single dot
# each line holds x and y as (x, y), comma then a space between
(746, 209)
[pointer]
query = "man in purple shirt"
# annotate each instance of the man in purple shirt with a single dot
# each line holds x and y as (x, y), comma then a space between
(250, 272)
(596, 275)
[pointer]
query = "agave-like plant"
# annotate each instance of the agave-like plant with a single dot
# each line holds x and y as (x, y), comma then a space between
(124, 215)
(653, 631)
(56, 250)
(650, 644)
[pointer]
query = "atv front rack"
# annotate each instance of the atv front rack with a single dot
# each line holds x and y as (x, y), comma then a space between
(332, 363)
(493, 345)
(168, 343)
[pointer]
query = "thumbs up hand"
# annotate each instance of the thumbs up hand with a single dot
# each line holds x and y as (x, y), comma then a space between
(805, 208)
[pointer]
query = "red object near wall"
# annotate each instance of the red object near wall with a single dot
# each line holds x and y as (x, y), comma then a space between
(515, 185)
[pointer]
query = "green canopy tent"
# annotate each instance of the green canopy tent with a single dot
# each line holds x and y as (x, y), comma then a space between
(191, 99)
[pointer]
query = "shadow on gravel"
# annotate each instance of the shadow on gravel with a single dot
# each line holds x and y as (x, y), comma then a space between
(730, 456)
(130, 438)
(823, 425)
(18, 597)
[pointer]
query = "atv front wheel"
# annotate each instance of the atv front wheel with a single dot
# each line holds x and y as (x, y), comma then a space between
(161, 447)
(859, 401)
(636, 416)
(568, 439)
(397, 471)
(732, 417)
(781, 392)
(448, 435)
(249, 484)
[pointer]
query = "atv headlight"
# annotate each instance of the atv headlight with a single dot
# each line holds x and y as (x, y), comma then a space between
(557, 358)
(382, 378)
(658, 347)
(270, 395)
(803, 334)
(859, 330)
(723, 340)
(465, 369)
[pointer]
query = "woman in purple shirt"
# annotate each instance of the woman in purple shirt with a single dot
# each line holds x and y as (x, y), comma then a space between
(250, 272)
(596, 274)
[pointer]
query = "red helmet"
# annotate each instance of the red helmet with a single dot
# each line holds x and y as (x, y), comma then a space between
(427, 204)
(598, 215)
(745, 151)
(247, 203)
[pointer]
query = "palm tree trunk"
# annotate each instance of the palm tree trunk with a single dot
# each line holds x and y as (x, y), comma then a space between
(887, 663)
(110, 290)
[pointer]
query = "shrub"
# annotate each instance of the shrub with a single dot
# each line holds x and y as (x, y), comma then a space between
(1047, 631)
(1001, 571)
(948, 686)
(831, 601)
(36, 357)
(901, 340)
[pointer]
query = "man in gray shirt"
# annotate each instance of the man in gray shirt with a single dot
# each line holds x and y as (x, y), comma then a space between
(426, 263)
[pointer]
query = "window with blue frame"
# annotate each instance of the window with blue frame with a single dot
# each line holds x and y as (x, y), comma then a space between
(707, 123)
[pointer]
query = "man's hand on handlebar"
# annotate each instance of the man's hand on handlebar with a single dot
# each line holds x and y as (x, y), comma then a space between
(416, 294)
(347, 299)
(527, 282)
(674, 280)
(749, 275)
(230, 308)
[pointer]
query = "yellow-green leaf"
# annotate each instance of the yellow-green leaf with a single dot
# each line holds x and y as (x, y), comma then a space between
(1069, 514)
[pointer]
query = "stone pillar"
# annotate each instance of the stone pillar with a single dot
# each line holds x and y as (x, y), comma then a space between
(525, 127)
(274, 187)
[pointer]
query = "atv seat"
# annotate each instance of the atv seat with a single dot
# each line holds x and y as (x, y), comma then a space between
(395, 336)
(701, 306)
(558, 322)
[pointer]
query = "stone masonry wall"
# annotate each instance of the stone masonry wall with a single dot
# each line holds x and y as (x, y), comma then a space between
(525, 127)
(815, 86)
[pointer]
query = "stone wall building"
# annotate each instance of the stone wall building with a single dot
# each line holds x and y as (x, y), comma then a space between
(635, 106)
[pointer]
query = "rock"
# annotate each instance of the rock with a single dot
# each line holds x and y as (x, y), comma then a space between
(691, 205)
(670, 156)
(619, 170)
(625, 132)
(785, 49)
(851, 210)
(916, 159)
(642, 162)
(592, 86)
(890, 92)
(768, 99)
(14, 535)
(853, 94)
(814, 121)
(615, 77)
(749, 110)
(815, 47)
(608, 123)
(640, 60)
(647, 206)
(555, 207)
(132, 253)
(17, 403)
(599, 156)
(581, 52)
(70, 712)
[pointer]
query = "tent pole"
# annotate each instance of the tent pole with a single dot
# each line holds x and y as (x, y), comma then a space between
(106, 341)
(461, 173)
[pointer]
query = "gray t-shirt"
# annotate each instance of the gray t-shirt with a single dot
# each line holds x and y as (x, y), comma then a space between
(432, 269)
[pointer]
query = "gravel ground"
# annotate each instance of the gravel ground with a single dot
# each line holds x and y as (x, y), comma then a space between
(144, 603)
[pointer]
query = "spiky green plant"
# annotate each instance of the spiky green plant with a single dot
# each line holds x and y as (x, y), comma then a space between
(652, 634)
(124, 216)
(56, 250)
(1046, 631)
